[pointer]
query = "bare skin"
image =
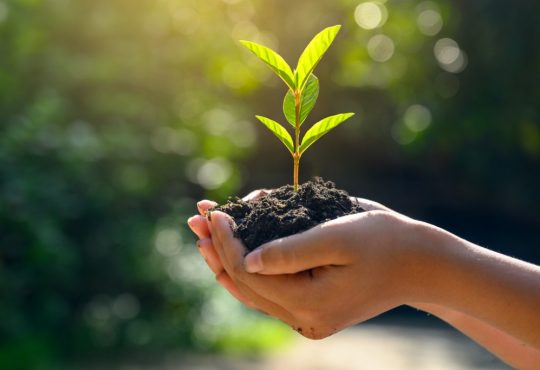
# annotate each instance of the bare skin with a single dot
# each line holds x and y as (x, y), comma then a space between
(365, 264)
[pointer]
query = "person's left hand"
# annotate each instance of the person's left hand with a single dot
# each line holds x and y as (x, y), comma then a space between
(201, 227)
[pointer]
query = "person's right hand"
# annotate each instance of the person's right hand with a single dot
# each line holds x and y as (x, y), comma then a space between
(201, 227)
(329, 277)
(323, 300)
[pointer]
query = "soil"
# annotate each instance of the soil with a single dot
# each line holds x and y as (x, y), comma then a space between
(283, 212)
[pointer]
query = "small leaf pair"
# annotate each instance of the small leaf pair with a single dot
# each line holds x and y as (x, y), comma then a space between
(312, 135)
(301, 96)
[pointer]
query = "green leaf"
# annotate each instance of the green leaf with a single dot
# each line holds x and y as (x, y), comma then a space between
(307, 101)
(313, 53)
(279, 131)
(273, 60)
(321, 128)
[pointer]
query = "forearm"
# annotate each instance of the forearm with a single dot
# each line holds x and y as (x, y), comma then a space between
(498, 290)
(509, 349)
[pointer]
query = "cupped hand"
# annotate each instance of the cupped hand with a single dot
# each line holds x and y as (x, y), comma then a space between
(339, 273)
(355, 267)
(326, 281)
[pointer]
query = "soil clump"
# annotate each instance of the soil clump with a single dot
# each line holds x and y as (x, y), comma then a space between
(284, 212)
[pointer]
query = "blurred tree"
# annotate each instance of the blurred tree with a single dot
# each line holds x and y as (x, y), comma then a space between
(114, 116)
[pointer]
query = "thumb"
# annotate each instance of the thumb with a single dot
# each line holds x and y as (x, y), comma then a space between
(313, 248)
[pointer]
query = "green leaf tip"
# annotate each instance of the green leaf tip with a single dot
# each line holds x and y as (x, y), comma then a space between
(321, 128)
(313, 53)
(279, 131)
(273, 60)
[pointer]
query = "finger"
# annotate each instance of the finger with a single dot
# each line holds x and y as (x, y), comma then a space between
(206, 248)
(205, 205)
(199, 225)
(222, 225)
(284, 290)
(213, 260)
(313, 248)
(370, 205)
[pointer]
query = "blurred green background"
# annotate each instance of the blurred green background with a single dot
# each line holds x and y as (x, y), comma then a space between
(117, 115)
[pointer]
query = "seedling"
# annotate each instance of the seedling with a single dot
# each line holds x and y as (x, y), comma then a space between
(302, 93)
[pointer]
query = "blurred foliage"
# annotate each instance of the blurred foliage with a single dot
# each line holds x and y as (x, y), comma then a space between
(118, 115)
(107, 110)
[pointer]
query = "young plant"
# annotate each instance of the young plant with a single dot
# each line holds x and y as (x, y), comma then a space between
(302, 93)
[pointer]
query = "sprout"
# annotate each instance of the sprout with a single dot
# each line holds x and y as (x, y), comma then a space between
(302, 93)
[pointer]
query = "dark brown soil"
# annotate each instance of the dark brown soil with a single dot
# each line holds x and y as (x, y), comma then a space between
(284, 212)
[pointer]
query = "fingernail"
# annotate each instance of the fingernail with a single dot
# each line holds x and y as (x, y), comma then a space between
(199, 205)
(190, 220)
(253, 261)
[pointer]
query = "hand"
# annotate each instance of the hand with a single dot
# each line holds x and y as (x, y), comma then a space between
(475, 316)
(342, 278)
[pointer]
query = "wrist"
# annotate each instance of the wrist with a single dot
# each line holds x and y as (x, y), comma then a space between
(425, 262)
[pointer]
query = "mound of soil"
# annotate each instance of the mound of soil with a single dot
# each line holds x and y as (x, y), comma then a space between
(284, 212)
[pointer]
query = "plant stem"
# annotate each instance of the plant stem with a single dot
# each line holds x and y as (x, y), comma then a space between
(296, 154)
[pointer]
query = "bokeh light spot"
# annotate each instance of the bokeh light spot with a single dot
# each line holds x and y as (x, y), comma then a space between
(429, 22)
(450, 57)
(446, 51)
(218, 121)
(245, 30)
(380, 48)
(185, 19)
(4, 11)
(190, 269)
(126, 306)
(168, 140)
(211, 173)
(370, 15)
(239, 12)
(168, 242)
(417, 118)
